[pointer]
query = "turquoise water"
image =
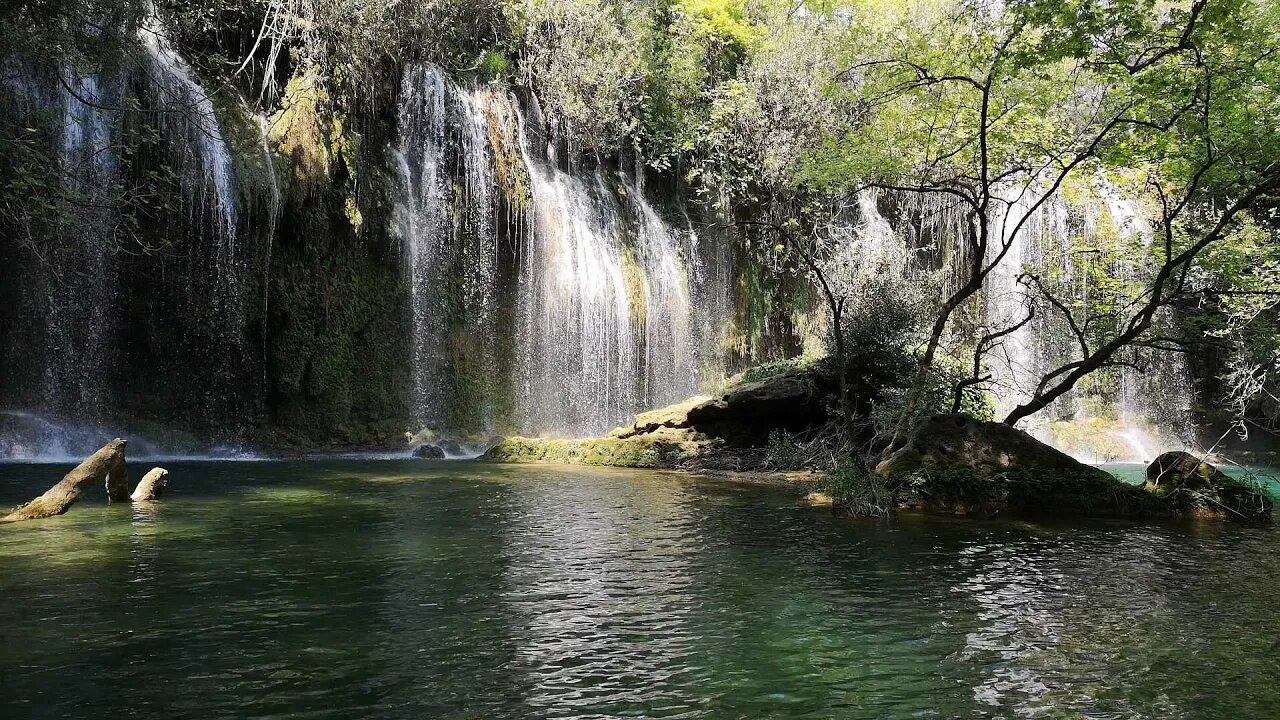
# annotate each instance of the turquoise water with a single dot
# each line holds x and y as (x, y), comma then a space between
(419, 589)
(1267, 476)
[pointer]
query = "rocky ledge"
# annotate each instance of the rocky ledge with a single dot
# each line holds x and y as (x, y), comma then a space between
(950, 464)
(700, 433)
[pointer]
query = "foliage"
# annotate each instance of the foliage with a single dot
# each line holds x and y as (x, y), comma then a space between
(767, 370)
(859, 492)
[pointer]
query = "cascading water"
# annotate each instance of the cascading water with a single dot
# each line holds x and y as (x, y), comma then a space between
(425, 218)
(1139, 400)
(79, 310)
(97, 144)
(599, 283)
(605, 305)
(578, 374)
(193, 129)
(1033, 235)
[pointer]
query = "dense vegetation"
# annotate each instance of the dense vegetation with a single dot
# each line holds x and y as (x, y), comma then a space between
(776, 114)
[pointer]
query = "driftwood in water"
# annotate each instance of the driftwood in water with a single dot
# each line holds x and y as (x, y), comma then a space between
(57, 499)
(118, 481)
(151, 485)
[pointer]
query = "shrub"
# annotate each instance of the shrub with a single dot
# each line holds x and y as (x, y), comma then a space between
(859, 492)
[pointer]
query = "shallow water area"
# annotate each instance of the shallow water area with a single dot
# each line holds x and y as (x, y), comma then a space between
(435, 589)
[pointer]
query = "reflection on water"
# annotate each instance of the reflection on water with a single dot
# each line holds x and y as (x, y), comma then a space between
(457, 590)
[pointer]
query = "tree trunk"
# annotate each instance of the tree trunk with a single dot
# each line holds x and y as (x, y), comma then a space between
(151, 485)
(59, 498)
(118, 481)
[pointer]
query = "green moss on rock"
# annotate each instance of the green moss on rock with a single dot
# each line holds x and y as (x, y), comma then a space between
(655, 450)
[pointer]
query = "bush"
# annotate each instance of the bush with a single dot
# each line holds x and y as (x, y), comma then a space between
(859, 492)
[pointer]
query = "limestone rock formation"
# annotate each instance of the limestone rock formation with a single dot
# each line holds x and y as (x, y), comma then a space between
(151, 486)
(59, 498)
(1178, 469)
(1196, 488)
(672, 416)
(959, 465)
(745, 414)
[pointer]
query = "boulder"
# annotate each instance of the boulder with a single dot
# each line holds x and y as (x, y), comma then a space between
(451, 448)
(1196, 488)
(744, 415)
(59, 498)
(151, 486)
(1179, 469)
(952, 441)
(672, 416)
(428, 451)
(959, 465)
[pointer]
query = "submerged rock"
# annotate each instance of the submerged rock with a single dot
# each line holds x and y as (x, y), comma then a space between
(152, 485)
(1194, 487)
(59, 498)
(428, 451)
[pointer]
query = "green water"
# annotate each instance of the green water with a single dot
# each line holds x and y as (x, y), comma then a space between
(352, 589)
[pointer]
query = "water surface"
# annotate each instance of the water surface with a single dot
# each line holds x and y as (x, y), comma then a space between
(420, 589)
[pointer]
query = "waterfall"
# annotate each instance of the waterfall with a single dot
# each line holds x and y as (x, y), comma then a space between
(425, 217)
(193, 119)
(104, 156)
(597, 281)
(1148, 406)
(579, 373)
(193, 131)
(605, 307)
(1035, 235)
(79, 311)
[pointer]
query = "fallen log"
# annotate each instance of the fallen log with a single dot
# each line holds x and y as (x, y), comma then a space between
(151, 485)
(118, 481)
(58, 499)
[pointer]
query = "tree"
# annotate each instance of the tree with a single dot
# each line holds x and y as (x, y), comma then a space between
(996, 109)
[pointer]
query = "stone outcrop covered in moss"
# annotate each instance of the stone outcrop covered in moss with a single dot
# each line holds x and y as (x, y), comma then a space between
(662, 448)
(1196, 487)
(958, 465)
(704, 431)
